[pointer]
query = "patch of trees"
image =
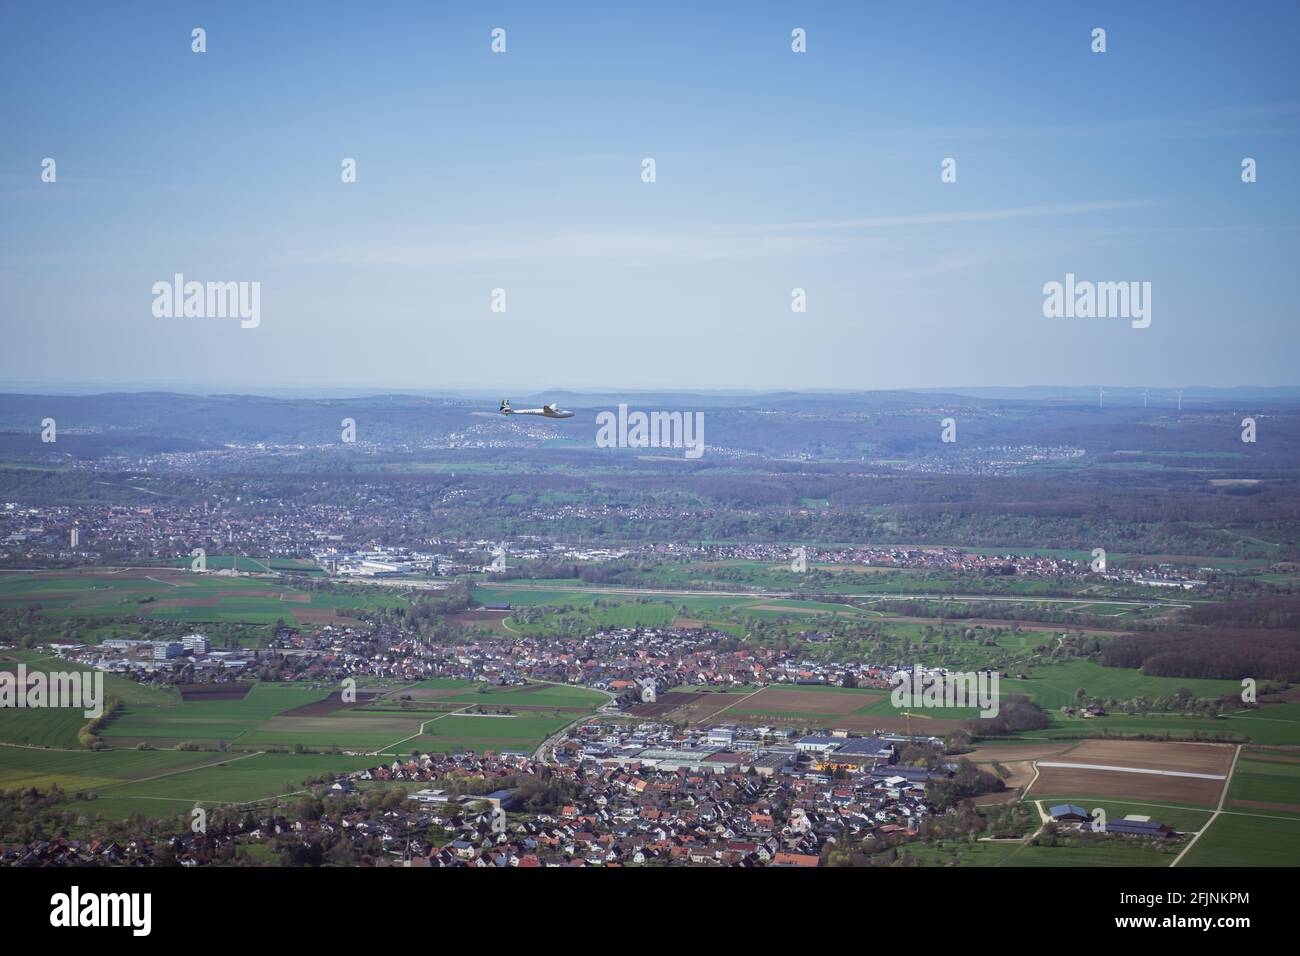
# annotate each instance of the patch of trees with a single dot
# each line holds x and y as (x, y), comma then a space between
(543, 794)
(969, 781)
(1262, 613)
(1226, 654)
(424, 614)
(1015, 715)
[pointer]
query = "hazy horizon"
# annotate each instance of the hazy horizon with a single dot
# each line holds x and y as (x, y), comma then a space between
(1033, 392)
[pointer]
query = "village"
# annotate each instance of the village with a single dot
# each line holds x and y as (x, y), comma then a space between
(341, 541)
(618, 660)
(602, 802)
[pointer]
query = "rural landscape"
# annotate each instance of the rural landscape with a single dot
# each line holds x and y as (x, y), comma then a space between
(647, 443)
(483, 646)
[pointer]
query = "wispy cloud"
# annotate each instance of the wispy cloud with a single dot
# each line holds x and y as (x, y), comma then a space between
(1058, 210)
(706, 244)
(685, 247)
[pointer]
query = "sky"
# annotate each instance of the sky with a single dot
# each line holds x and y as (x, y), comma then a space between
(523, 171)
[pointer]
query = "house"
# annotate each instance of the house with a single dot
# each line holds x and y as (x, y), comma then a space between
(818, 743)
(859, 752)
(1069, 813)
(1134, 826)
(723, 736)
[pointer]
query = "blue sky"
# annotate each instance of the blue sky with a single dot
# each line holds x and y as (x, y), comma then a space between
(774, 171)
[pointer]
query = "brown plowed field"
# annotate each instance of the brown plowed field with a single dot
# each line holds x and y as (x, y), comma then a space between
(668, 702)
(784, 699)
(236, 691)
(1155, 755)
(330, 704)
(1141, 787)
(1016, 752)
(308, 615)
(209, 601)
(1141, 754)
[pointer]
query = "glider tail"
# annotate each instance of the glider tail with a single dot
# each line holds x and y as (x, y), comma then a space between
(505, 406)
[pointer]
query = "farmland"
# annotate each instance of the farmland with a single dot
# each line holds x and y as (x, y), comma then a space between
(181, 595)
(260, 740)
(246, 741)
(1109, 853)
(1236, 839)
(1266, 783)
(283, 716)
(858, 710)
(118, 783)
(59, 726)
(1143, 771)
(866, 710)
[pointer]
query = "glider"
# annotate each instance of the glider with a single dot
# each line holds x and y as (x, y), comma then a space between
(547, 411)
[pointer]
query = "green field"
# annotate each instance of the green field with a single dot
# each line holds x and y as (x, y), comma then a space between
(1265, 781)
(1054, 685)
(208, 721)
(164, 782)
(259, 720)
(75, 770)
(59, 726)
(1114, 851)
(216, 782)
(464, 732)
(535, 695)
(180, 595)
(1246, 840)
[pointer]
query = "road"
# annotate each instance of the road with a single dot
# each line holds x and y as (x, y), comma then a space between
(1217, 810)
(550, 742)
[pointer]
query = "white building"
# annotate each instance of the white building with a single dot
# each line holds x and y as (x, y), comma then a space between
(196, 643)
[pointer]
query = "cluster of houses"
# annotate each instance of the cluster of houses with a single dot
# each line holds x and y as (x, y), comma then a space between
(325, 654)
(917, 558)
(697, 800)
(187, 848)
(951, 559)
